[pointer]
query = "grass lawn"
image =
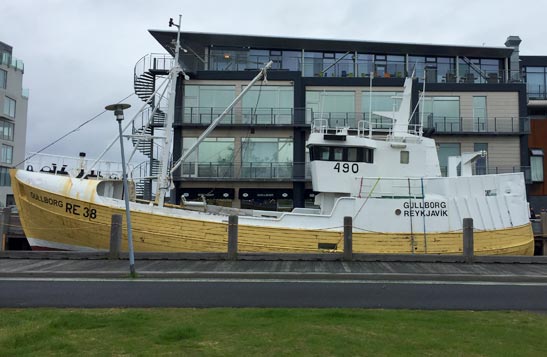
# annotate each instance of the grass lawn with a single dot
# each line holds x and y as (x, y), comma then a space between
(270, 332)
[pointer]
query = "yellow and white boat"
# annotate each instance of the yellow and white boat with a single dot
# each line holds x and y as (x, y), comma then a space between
(391, 186)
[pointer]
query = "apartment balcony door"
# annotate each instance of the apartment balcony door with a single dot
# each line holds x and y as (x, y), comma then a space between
(479, 114)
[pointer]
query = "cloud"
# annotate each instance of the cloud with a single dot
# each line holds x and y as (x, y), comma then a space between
(79, 55)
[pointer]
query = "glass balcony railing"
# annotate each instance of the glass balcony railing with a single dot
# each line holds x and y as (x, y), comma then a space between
(478, 125)
(289, 116)
(10, 61)
(240, 116)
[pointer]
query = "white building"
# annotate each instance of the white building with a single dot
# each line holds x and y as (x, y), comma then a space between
(13, 119)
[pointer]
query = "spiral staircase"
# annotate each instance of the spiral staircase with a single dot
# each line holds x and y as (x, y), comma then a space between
(152, 120)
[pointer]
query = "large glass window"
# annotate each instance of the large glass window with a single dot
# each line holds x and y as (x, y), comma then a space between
(9, 107)
(6, 130)
(4, 176)
(212, 158)
(3, 79)
(329, 64)
(365, 65)
(266, 157)
(441, 113)
(380, 101)
(7, 154)
(230, 59)
(338, 107)
(313, 64)
(536, 164)
(479, 113)
(395, 66)
(268, 105)
(204, 103)
(444, 150)
(479, 70)
(535, 82)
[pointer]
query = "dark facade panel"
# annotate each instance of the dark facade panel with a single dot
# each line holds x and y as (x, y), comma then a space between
(165, 38)
(533, 61)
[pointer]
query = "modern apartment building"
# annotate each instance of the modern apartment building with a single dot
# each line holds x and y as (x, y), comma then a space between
(534, 69)
(475, 100)
(13, 118)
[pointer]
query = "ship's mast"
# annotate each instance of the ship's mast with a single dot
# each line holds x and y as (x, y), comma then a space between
(214, 123)
(163, 179)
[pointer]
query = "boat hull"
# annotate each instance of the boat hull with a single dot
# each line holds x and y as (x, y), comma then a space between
(67, 222)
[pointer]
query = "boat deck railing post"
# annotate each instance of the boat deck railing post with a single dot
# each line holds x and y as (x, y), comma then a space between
(115, 237)
(232, 237)
(348, 239)
(468, 246)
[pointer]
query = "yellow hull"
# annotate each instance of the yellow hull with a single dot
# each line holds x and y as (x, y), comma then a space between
(88, 225)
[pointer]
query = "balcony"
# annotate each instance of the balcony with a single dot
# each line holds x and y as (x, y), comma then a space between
(442, 125)
(246, 171)
(240, 116)
(10, 61)
(466, 125)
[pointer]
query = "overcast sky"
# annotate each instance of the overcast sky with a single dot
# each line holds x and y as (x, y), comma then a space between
(79, 55)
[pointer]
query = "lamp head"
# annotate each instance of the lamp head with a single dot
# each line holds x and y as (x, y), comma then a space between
(118, 109)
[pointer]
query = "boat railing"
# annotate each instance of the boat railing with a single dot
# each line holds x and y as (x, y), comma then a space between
(319, 126)
(72, 165)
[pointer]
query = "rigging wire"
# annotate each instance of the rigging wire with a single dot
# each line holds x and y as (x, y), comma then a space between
(250, 128)
(70, 132)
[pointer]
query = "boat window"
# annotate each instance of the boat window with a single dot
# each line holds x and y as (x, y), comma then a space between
(368, 155)
(334, 153)
(338, 154)
(405, 155)
(319, 153)
(352, 154)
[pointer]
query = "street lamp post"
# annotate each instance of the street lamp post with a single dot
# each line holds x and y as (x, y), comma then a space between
(118, 113)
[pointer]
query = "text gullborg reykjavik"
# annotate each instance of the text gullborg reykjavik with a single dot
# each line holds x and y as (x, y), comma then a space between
(425, 209)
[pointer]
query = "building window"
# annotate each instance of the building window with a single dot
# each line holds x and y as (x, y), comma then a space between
(3, 79)
(268, 105)
(445, 150)
(266, 157)
(338, 107)
(10, 200)
(6, 130)
(382, 102)
(535, 82)
(9, 107)
(442, 113)
(205, 103)
(479, 114)
(7, 154)
(212, 158)
(536, 164)
(4, 176)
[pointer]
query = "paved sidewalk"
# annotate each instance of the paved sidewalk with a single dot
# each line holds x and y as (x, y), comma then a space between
(285, 270)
